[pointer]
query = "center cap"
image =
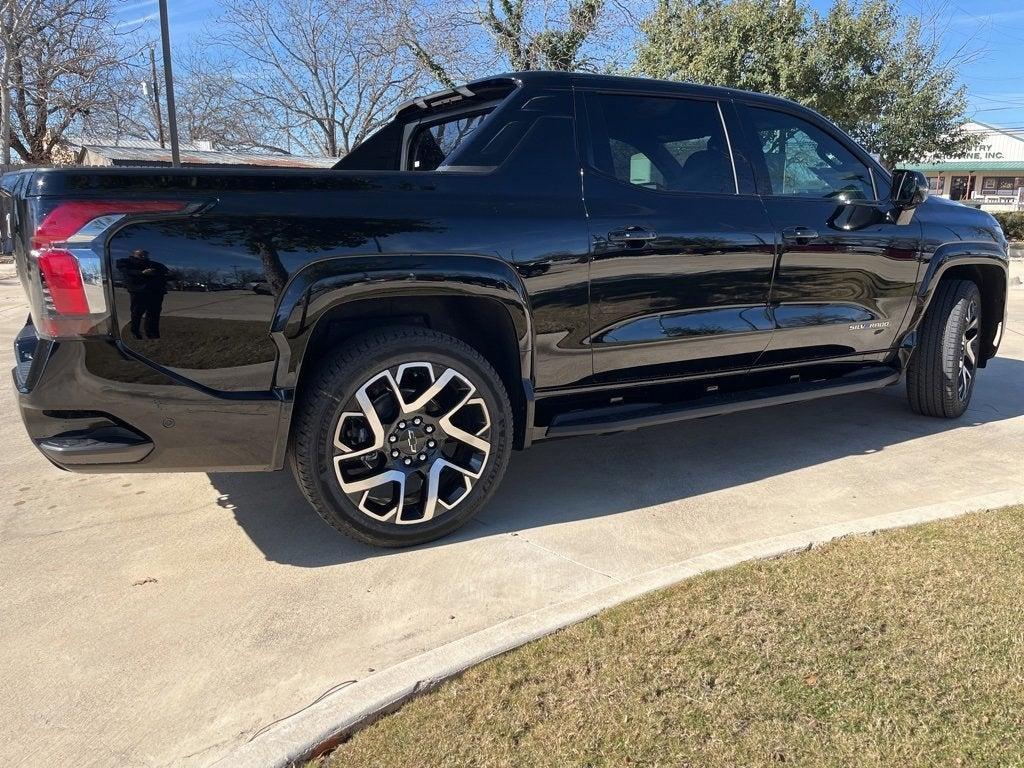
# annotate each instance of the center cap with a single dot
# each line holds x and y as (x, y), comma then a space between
(411, 440)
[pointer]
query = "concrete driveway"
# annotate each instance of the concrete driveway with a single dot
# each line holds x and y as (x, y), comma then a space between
(151, 620)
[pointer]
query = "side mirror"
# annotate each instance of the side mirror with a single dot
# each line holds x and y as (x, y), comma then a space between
(909, 189)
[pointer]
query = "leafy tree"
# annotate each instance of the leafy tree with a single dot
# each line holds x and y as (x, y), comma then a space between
(860, 64)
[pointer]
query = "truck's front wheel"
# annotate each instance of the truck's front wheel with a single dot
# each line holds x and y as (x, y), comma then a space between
(401, 436)
(943, 368)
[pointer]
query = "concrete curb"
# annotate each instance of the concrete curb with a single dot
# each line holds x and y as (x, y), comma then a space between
(334, 717)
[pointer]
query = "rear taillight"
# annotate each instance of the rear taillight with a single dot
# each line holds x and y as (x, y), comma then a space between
(68, 248)
(62, 278)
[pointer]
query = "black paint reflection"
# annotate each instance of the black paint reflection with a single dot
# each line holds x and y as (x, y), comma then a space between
(146, 283)
(806, 315)
(272, 239)
(689, 324)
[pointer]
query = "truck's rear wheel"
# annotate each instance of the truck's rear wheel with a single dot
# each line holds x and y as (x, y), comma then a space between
(401, 436)
(944, 366)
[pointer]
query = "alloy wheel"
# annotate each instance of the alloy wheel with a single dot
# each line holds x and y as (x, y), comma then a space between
(970, 347)
(411, 443)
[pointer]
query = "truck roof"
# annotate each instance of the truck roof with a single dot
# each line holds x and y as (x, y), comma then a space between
(499, 85)
(592, 80)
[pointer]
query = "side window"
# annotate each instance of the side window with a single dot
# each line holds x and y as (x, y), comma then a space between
(801, 160)
(432, 143)
(661, 143)
(634, 166)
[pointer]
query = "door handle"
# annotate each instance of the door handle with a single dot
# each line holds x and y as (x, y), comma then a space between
(799, 233)
(632, 235)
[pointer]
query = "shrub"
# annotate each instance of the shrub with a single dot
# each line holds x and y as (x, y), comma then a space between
(1012, 224)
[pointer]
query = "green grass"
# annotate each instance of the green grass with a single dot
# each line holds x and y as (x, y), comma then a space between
(900, 649)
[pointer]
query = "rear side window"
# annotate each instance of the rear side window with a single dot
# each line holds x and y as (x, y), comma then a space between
(432, 143)
(798, 159)
(661, 143)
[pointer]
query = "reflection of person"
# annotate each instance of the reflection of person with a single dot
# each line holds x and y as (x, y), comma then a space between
(146, 281)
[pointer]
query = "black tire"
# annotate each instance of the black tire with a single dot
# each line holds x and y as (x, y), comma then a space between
(948, 337)
(352, 368)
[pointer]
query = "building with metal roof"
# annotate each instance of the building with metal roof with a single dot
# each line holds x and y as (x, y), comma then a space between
(75, 143)
(990, 177)
(148, 157)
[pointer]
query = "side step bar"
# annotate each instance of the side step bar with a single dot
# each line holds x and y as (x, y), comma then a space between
(623, 418)
(112, 445)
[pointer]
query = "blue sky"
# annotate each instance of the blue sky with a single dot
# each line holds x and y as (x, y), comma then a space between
(989, 36)
(986, 35)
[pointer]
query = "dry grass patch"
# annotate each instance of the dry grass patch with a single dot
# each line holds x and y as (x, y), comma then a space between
(900, 649)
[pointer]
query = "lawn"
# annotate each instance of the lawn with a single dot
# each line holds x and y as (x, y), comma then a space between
(900, 649)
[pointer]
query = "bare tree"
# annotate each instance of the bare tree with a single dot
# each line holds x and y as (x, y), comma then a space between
(59, 57)
(448, 40)
(544, 45)
(214, 107)
(211, 106)
(329, 72)
(464, 39)
(123, 109)
(15, 19)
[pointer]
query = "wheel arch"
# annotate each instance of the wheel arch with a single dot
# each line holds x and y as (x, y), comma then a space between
(984, 264)
(477, 299)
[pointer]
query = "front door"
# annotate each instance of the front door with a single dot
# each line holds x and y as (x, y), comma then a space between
(958, 187)
(681, 261)
(846, 271)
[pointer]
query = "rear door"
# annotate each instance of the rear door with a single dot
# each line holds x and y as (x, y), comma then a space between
(846, 271)
(682, 249)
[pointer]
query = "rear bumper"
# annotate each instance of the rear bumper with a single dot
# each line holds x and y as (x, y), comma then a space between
(90, 407)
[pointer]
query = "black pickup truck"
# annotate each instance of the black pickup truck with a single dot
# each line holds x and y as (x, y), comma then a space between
(529, 256)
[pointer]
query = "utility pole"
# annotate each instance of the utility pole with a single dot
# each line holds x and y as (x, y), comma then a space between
(156, 98)
(172, 117)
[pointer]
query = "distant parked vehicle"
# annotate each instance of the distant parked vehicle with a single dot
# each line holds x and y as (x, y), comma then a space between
(530, 256)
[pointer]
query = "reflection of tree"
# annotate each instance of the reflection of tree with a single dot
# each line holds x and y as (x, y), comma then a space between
(807, 166)
(856, 286)
(268, 237)
(684, 331)
(640, 294)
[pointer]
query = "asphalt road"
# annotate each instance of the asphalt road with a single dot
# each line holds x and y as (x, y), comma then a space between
(151, 620)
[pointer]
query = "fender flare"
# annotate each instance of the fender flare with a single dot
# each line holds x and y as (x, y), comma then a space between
(981, 253)
(319, 287)
(948, 255)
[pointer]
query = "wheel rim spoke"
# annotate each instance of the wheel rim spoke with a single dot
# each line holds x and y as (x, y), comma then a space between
(431, 500)
(368, 412)
(473, 440)
(411, 443)
(971, 353)
(970, 345)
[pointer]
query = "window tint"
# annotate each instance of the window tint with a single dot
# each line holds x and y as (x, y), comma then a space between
(433, 144)
(804, 161)
(661, 143)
